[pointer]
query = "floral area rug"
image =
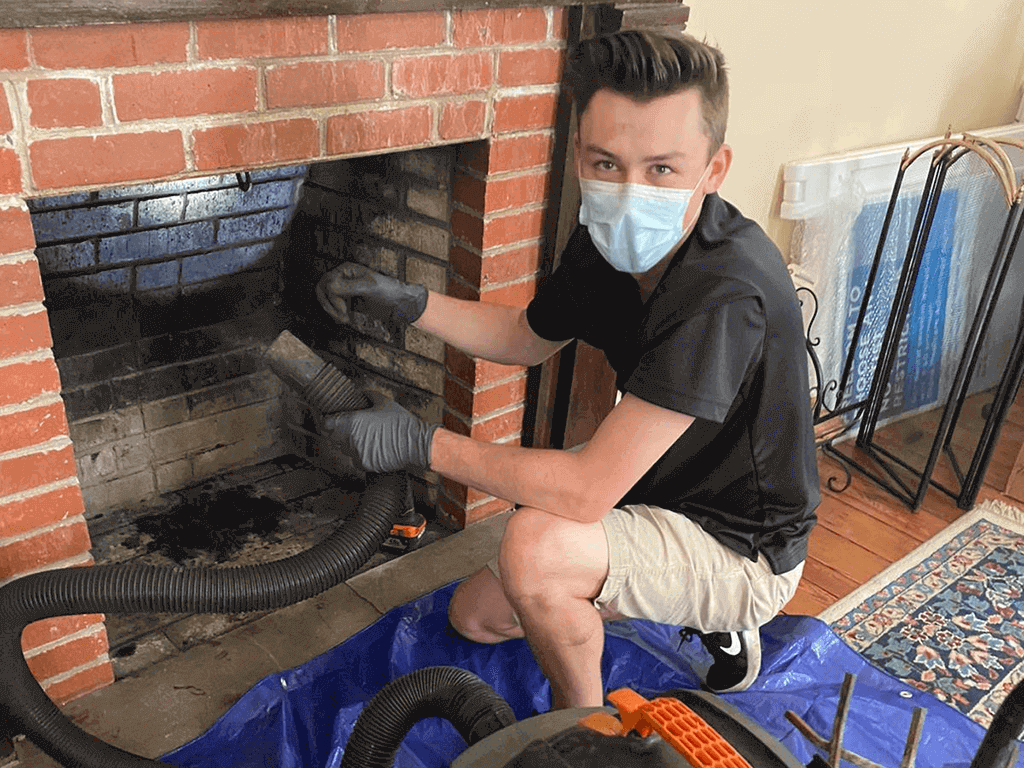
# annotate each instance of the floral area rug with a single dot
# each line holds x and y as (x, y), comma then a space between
(949, 617)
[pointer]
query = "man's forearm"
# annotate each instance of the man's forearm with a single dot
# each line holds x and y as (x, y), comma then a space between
(578, 485)
(548, 479)
(491, 331)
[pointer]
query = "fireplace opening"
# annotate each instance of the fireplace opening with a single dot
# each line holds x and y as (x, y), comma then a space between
(162, 298)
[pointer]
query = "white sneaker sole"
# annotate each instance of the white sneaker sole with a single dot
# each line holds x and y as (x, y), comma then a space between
(752, 640)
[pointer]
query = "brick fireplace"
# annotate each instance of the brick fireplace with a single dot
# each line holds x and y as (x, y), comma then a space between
(452, 111)
(92, 108)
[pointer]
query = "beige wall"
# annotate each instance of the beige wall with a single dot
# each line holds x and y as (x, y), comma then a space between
(815, 77)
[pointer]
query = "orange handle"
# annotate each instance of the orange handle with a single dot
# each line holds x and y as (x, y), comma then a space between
(677, 724)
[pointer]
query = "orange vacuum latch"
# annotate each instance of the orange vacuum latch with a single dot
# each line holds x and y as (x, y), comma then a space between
(675, 722)
(406, 532)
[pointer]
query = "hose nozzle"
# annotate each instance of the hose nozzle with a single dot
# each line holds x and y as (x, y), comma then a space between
(318, 382)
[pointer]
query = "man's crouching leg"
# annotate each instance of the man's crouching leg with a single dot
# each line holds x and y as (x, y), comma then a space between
(479, 610)
(551, 570)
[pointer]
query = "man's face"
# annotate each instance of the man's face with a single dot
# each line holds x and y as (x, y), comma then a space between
(657, 142)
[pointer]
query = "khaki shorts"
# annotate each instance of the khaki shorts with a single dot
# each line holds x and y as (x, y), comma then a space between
(665, 568)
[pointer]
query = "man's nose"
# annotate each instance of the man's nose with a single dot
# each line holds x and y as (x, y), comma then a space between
(634, 176)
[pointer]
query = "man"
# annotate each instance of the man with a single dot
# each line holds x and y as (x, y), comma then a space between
(693, 501)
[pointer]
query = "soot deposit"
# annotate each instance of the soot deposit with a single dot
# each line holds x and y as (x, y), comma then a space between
(212, 522)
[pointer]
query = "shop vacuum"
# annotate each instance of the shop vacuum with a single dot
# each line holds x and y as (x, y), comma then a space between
(680, 728)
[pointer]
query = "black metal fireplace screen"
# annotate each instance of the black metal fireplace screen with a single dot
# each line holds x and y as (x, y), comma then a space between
(967, 411)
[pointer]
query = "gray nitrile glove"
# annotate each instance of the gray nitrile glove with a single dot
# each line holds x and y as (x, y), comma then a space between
(385, 297)
(382, 438)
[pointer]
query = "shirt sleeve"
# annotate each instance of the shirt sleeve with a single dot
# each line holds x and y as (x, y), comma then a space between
(698, 366)
(554, 312)
(551, 312)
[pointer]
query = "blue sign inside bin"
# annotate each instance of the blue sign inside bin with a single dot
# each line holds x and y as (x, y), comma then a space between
(914, 380)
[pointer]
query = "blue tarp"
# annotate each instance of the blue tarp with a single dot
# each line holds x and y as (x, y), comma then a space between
(302, 718)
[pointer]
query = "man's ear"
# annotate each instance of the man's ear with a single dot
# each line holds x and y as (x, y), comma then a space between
(720, 164)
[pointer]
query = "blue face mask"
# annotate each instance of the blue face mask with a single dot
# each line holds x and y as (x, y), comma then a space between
(634, 226)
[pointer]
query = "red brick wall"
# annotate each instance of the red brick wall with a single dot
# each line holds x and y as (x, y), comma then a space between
(83, 108)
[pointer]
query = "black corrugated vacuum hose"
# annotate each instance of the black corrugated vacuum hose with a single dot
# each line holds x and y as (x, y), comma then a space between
(127, 588)
(467, 702)
(1000, 747)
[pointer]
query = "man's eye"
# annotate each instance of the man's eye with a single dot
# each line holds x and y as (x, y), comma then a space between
(604, 165)
(661, 170)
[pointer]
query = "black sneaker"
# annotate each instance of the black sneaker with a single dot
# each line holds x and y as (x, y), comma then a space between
(737, 658)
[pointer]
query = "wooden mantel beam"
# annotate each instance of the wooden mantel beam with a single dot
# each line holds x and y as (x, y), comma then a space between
(57, 13)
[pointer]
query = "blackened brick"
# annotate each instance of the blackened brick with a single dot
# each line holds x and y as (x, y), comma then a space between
(226, 298)
(93, 327)
(257, 226)
(205, 373)
(161, 210)
(79, 222)
(149, 385)
(178, 347)
(87, 401)
(158, 312)
(161, 188)
(66, 257)
(207, 266)
(83, 290)
(95, 367)
(38, 204)
(226, 202)
(152, 276)
(154, 243)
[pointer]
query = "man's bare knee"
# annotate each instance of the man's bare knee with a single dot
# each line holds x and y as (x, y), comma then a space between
(477, 632)
(479, 610)
(545, 557)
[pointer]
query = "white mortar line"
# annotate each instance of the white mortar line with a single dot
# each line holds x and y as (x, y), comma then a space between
(29, 357)
(495, 414)
(503, 440)
(192, 47)
(46, 398)
(528, 208)
(80, 560)
(53, 444)
(332, 35)
(65, 523)
(92, 629)
(99, 661)
(18, 258)
(12, 201)
(67, 482)
(505, 92)
(107, 106)
(497, 383)
(23, 310)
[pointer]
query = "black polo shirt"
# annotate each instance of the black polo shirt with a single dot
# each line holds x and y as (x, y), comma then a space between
(720, 339)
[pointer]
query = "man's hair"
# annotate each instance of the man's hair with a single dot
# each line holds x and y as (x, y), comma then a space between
(644, 65)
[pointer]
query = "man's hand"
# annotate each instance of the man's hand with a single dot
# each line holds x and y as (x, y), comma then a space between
(385, 297)
(382, 438)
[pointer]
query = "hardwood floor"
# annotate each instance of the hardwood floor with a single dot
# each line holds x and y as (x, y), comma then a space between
(864, 529)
